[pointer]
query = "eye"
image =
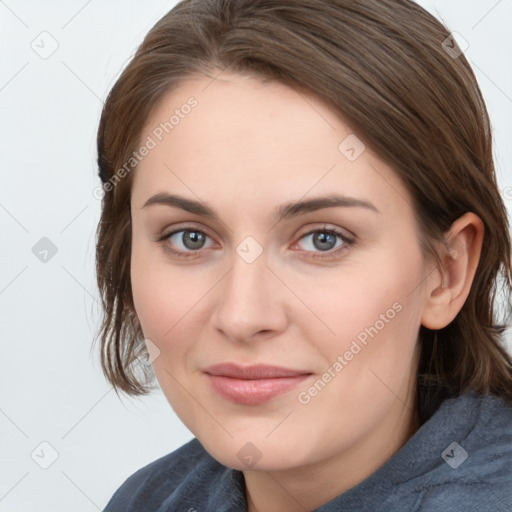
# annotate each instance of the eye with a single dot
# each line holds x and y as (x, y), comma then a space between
(325, 240)
(185, 242)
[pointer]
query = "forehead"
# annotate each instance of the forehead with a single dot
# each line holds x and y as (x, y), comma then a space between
(247, 138)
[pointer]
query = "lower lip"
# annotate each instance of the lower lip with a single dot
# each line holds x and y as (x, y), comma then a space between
(254, 391)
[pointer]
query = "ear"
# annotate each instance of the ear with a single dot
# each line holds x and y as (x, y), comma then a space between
(448, 288)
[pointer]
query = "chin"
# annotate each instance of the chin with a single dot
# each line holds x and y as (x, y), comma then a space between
(258, 455)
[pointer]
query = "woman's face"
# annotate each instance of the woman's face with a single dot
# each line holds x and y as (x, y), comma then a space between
(285, 244)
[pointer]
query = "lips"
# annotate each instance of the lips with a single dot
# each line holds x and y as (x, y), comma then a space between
(252, 385)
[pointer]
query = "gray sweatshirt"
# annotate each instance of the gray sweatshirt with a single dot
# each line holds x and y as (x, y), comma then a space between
(459, 460)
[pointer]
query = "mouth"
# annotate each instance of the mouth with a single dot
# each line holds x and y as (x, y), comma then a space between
(252, 385)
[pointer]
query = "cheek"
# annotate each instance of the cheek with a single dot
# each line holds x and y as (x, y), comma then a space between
(371, 311)
(168, 299)
(154, 294)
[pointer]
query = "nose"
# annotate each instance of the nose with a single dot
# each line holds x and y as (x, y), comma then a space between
(251, 303)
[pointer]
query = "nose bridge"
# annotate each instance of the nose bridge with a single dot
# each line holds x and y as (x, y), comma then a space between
(248, 302)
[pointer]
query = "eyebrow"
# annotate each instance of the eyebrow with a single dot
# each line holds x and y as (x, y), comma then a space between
(285, 211)
(301, 207)
(189, 205)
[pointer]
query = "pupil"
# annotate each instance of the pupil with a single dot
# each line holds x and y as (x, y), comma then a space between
(325, 241)
(192, 239)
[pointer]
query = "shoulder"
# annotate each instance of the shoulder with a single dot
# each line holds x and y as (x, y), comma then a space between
(181, 478)
(473, 471)
(487, 446)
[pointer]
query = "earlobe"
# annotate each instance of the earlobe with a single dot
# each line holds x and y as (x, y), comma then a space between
(448, 288)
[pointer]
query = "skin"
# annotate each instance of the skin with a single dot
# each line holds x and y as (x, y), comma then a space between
(247, 148)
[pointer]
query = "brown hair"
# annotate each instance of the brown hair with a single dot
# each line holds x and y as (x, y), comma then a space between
(388, 69)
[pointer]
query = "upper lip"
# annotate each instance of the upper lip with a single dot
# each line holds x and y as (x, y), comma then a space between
(253, 372)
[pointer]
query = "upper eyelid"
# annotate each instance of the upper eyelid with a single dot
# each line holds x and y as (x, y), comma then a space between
(342, 232)
(346, 240)
(325, 227)
(185, 228)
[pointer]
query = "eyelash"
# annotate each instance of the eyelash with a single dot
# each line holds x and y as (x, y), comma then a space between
(332, 253)
(181, 254)
(347, 242)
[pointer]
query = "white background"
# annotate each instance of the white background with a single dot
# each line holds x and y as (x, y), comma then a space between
(52, 389)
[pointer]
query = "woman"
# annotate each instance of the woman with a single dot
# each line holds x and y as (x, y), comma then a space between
(302, 233)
